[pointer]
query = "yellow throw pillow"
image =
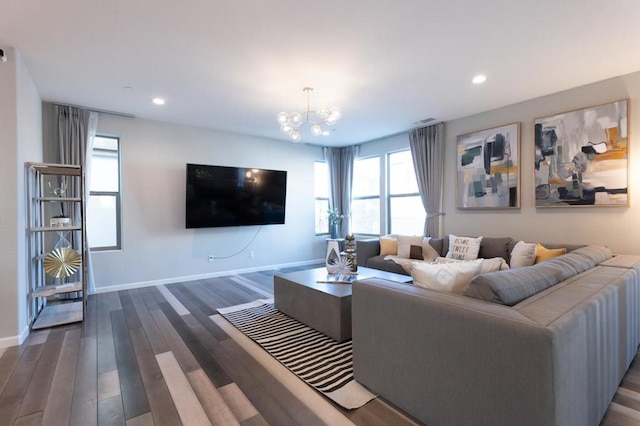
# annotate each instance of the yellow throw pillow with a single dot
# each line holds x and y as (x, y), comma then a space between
(388, 246)
(543, 253)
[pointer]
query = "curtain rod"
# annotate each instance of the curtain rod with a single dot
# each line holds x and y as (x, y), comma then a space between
(102, 111)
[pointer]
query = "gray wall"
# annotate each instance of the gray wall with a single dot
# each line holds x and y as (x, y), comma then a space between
(156, 246)
(616, 227)
(21, 141)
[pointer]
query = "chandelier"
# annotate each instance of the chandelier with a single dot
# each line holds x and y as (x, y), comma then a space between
(319, 120)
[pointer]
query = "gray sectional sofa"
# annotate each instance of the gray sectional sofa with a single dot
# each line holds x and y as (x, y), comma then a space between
(540, 345)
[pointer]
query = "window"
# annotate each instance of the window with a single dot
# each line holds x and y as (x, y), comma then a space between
(365, 203)
(103, 207)
(321, 180)
(406, 212)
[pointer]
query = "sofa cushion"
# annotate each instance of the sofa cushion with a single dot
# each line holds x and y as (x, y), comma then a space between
(463, 248)
(429, 252)
(388, 246)
(438, 245)
(510, 286)
(543, 254)
(378, 262)
(523, 254)
(491, 247)
(415, 252)
(597, 254)
(451, 277)
(404, 245)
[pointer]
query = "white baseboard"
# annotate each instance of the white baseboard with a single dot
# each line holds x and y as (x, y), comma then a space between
(6, 342)
(129, 286)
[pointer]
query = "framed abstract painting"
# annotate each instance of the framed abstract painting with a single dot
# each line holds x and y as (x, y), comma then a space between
(582, 157)
(488, 168)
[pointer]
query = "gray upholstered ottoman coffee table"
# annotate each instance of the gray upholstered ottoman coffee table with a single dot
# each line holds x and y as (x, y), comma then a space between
(325, 307)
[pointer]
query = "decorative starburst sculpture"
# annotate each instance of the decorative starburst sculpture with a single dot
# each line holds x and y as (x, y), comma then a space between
(62, 262)
(341, 266)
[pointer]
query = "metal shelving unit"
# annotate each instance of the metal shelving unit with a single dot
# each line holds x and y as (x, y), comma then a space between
(54, 189)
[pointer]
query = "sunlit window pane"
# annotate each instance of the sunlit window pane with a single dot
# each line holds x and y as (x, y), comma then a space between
(403, 177)
(407, 215)
(366, 177)
(103, 206)
(321, 178)
(102, 224)
(321, 189)
(365, 216)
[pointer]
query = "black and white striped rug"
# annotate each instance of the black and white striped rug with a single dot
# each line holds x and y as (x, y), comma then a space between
(317, 359)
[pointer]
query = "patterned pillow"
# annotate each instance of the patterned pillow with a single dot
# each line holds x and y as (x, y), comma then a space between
(463, 248)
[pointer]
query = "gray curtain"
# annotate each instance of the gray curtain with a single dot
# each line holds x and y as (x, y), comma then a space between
(427, 151)
(76, 130)
(340, 164)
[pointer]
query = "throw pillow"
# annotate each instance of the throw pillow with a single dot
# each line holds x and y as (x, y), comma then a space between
(429, 253)
(404, 245)
(523, 254)
(488, 265)
(463, 248)
(415, 252)
(451, 277)
(543, 253)
(388, 246)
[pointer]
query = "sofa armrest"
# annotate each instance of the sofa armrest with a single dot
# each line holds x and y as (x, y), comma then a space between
(366, 249)
(448, 359)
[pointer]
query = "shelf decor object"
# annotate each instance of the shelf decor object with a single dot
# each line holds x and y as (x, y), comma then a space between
(489, 168)
(57, 246)
(582, 157)
(62, 262)
(320, 120)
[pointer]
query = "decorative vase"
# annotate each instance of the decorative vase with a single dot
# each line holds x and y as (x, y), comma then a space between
(334, 230)
(333, 250)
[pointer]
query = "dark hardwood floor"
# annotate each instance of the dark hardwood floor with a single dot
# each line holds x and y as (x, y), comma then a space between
(153, 356)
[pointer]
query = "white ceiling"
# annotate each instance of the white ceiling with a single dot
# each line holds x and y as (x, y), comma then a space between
(233, 65)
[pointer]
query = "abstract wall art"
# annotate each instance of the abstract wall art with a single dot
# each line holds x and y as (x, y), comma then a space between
(488, 168)
(581, 157)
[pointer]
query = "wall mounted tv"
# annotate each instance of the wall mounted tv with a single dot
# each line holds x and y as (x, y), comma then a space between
(219, 196)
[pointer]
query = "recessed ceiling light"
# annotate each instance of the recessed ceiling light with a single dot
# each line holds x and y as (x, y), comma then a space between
(479, 79)
(158, 101)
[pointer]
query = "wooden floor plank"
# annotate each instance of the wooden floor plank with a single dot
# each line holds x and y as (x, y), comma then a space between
(130, 314)
(205, 359)
(108, 385)
(9, 361)
(185, 358)
(162, 406)
(34, 419)
(106, 348)
(37, 393)
(16, 387)
(84, 408)
(110, 412)
(134, 398)
(57, 410)
(240, 405)
(143, 420)
(153, 334)
(175, 303)
(199, 315)
(185, 399)
(218, 412)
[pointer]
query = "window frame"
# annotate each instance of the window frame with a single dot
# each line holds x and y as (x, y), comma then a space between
(116, 194)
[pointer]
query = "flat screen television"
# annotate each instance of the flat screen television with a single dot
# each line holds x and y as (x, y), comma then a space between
(219, 196)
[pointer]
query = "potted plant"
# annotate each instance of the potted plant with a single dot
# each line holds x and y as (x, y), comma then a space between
(59, 221)
(335, 218)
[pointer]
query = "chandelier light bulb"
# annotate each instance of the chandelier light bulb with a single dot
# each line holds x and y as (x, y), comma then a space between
(285, 128)
(322, 111)
(282, 117)
(295, 135)
(316, 130)
(295, 119)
